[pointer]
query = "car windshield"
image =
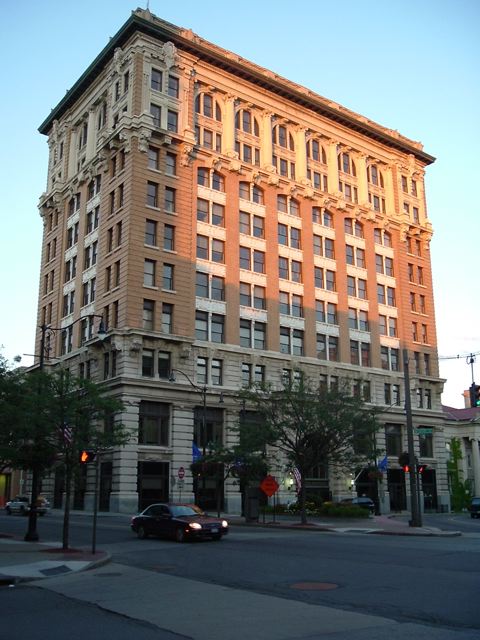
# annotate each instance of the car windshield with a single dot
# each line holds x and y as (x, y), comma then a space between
(184, 510)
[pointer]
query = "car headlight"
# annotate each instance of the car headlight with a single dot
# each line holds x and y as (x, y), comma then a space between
(195, 525)
(224, 523)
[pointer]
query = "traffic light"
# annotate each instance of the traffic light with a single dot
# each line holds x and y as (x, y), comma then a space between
(422, 467)
(87, 455)
(403, 461)
(475, 395)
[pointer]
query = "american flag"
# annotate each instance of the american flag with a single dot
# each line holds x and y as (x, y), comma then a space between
(66, 434)
(298, 479)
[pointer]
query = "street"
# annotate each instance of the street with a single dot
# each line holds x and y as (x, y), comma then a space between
(431, 583)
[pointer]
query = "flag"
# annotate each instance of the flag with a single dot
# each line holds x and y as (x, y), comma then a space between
(66, 434)
(382, 465)
(196, 453)
(298, 479)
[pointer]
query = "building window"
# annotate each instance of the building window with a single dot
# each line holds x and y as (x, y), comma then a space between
(164, 366)
(353, 227)
(173, 88)
(152, 194)
(148, 363)
(156, 113)
(148, 315)
(172, 121)
(167, 317)
(327, 347)
(153, 158)
(209, 326)
(169, 237)
(149, 273)
(156, 80)
(151, 233)
(168, 277)
(170, 199)
(153, 428)
(170, 164)
(393, 439)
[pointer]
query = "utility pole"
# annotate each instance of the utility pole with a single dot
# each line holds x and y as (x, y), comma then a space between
(416, 520)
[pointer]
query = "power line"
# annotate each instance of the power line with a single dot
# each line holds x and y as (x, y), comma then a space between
(457, 357)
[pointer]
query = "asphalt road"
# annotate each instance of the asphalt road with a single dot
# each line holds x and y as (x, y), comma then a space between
(432, 581)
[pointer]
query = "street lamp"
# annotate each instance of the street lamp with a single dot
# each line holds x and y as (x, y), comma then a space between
(203, 392)
(32, 533)
(416, 520)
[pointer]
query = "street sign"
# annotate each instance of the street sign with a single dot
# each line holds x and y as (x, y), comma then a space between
(181, 473)
(424, 431)
(269, 486)
(180, 484)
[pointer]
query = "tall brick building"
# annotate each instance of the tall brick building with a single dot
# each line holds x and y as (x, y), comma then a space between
(231, 226)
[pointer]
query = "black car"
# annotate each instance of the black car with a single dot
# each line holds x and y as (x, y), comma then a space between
(178, 521)
(474, 508)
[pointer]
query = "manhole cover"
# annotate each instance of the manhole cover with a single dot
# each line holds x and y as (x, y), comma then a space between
(314, 586)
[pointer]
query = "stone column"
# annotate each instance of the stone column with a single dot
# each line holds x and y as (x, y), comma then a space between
(361, 161)
(389, 190)
(332, 160)
(300, 154)
(91, 135)
(266, 142)
(476, 465)
(124, 496)
(228, 137)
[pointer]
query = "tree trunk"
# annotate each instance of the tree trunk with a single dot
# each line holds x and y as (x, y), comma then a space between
(303, 499)
(66, 512)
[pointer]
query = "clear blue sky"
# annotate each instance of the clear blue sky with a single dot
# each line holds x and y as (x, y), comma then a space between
(411, 65)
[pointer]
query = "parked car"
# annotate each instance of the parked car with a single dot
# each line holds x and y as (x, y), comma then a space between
(474, 508)
(21, 505)
(360, 501)
(178, 521)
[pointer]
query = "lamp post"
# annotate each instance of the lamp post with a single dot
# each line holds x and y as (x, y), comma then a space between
(202, 390)
(416, 520)
(32, 534)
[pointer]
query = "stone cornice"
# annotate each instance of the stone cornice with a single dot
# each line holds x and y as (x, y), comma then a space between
(144, 22)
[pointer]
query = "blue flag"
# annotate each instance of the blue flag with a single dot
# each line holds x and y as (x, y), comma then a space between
(196, 453)
(382, 465)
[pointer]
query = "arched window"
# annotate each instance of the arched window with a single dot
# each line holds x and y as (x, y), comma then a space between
(251, 192)
(207, 106)
(375, 176)
(346, 164)
(282, 137)
(209, 178)
(324, 218)
(316, 152)
(246, 122)
(382, 237)
(287, 204)
(353, 227)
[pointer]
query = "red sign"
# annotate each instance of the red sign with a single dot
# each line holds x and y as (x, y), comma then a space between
(181, 473)
(269, 486)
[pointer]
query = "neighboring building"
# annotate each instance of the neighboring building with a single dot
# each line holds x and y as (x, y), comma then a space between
(464, 425)
(231, 226)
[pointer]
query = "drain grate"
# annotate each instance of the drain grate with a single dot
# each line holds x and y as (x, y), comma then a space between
(314, 586)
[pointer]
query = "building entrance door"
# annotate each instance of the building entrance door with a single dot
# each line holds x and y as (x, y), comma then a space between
(152, 483)
(396, 489)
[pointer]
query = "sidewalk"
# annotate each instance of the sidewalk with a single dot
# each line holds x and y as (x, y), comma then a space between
(21, 561)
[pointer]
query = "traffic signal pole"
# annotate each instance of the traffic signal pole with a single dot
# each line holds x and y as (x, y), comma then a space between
(416, 520)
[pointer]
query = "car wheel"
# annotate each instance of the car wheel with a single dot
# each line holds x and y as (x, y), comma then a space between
(180, 535)
(141, 533)
(9, 511)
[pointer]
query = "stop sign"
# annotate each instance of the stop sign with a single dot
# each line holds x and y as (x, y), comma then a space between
(181, 473)
(269, 486)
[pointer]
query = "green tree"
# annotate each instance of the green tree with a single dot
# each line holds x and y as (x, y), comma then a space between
(459, 489)
(311, 425)
(47, 419)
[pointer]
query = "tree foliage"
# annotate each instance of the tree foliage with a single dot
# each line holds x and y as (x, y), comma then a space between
(311, 425)
(47, 419)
